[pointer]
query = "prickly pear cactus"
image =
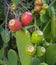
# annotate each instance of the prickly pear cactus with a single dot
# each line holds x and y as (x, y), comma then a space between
(22, 39)
(19, 45)
(1, 53)
(53, 26)
(51, 55)
(12, 57)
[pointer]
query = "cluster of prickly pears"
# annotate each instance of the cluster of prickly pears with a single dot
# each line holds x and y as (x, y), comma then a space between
(35, 48)
(37, 36)
(40, 7)
(16, 24)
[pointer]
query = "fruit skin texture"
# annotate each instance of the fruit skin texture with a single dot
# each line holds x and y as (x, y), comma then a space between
(37, 8)
(37, 36)
(30, 50)
(26, 18)
(43, 63)
(40, 51)
(14, 25)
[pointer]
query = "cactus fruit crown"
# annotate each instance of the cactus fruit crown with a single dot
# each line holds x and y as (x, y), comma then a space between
(30, 48)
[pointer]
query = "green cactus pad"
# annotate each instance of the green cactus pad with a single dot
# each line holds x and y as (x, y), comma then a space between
(22, 39)
(51, 55)
(12, 57)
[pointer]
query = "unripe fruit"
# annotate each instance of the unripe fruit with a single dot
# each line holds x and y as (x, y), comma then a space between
(43, 63)
(30, 50)
(42, 12)
(40, 51)
(26, 18)
(37, 36)
(38, 2)
(37, 8)
(45, 6)
(14, 25)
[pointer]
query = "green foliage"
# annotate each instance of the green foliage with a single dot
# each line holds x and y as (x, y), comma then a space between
(44, 18)
(44, 1)
(10, 40)
(5, 36)
(1, 53)
(35, 61)
(53, 23)
(51, 55)
(2, 62)
(12, 57)
(43, 63)
(22, 39)
(46, 30)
